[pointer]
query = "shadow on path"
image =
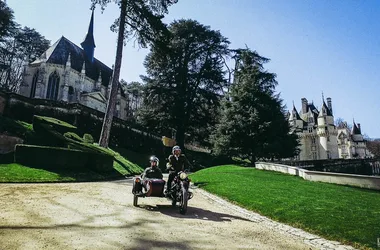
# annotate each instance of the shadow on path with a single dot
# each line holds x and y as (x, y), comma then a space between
(192, 213)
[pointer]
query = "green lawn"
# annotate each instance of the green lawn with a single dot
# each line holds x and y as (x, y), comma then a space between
(346, 214)
(18, 173)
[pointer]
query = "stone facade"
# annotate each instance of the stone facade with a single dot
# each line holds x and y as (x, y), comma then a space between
(320, 138)
(68, 73)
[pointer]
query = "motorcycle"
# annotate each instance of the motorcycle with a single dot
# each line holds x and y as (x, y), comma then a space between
(178, 193)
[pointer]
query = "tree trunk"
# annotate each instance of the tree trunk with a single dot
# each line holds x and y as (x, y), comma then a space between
(108, 117)
(180, 136)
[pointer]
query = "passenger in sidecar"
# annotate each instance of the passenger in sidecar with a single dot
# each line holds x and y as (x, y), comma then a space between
(151, 182)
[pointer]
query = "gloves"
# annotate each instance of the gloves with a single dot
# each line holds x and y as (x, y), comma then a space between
(169, 166)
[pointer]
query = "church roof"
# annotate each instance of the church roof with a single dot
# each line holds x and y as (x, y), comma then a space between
(89, 39)
(312, 108)
(355, 130)
(328, 111)
(295, 112)
(59, 52)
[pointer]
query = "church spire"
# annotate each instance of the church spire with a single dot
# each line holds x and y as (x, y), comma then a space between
(88, 44)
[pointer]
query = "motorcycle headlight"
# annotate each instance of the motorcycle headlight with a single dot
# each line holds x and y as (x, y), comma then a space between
(182, 176)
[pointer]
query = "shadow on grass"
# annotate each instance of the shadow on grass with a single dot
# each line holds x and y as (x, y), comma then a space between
(192, 213)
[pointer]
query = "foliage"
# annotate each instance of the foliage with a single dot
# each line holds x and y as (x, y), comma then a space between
(374, 147)
(143, 19)
(329, 210)
(88, 138)
(135, 92)
(6, 158)
(7, 23)
(139, 19)
(15, 128)
(73, 136)
(55, 124)
(185, 81)
(341, 123)
(253, 123)
(23, 46)
(54, 157)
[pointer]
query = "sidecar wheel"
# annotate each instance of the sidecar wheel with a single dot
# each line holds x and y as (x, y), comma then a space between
(135, 200)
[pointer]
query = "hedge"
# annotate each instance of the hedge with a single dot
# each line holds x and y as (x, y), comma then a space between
(61, 158)
(6, 158)
(57, 125)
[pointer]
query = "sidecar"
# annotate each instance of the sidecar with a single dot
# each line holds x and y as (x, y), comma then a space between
(147, 188)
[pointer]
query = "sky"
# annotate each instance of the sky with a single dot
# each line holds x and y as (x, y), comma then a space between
(315, 46)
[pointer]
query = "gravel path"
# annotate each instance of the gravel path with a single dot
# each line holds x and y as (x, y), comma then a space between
(101, 216)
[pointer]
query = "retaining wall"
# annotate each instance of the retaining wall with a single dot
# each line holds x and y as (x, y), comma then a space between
(363, 181)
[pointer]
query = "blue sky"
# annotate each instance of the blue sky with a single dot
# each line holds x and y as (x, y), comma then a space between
(314, 45)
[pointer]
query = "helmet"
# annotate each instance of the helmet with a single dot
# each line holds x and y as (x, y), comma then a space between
(176, 148)
(154, 158)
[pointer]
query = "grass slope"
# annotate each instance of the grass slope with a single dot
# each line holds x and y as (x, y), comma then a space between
(18, 173)
(346, 214)
(12, 172)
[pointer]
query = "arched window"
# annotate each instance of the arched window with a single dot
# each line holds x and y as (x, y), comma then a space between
(34, 85)
(52, 91)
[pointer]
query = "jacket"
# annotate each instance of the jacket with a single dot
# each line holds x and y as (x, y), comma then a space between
(178, 164)
(152, 173)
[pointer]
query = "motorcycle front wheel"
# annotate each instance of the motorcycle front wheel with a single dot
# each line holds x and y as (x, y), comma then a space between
(184, 199)
(135, 200)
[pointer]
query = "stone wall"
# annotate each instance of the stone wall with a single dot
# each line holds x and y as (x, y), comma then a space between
(370, 182)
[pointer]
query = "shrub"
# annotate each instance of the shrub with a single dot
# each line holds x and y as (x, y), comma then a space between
(73, 136)
(6, 158)
(88, 138)
(61, 158)
(57, 125)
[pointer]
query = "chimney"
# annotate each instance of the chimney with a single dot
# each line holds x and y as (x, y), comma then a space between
(329, 105)
(360, 129)
(304, 105)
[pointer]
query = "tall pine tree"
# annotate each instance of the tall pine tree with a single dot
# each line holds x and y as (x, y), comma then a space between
(253, 123)
(184, 82)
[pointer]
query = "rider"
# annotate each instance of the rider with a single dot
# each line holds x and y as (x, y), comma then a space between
(177, 162)
(152, 172)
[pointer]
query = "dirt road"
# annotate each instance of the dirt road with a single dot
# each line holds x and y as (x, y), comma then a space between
(101, 216)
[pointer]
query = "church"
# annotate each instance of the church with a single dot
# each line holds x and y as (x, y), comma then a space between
(320, 138)
(69, 73)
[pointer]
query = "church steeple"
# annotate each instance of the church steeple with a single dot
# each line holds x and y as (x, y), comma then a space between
(88, 44)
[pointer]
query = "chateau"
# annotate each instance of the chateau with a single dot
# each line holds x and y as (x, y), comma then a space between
(320, 138)
(65, 72)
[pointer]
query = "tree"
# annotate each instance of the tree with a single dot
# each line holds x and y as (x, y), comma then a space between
(185, 81)
(253, 123)
(341, 123)
(7, 23)
(134, 91)
(374, 147)
(139, 19)
(23, 46)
